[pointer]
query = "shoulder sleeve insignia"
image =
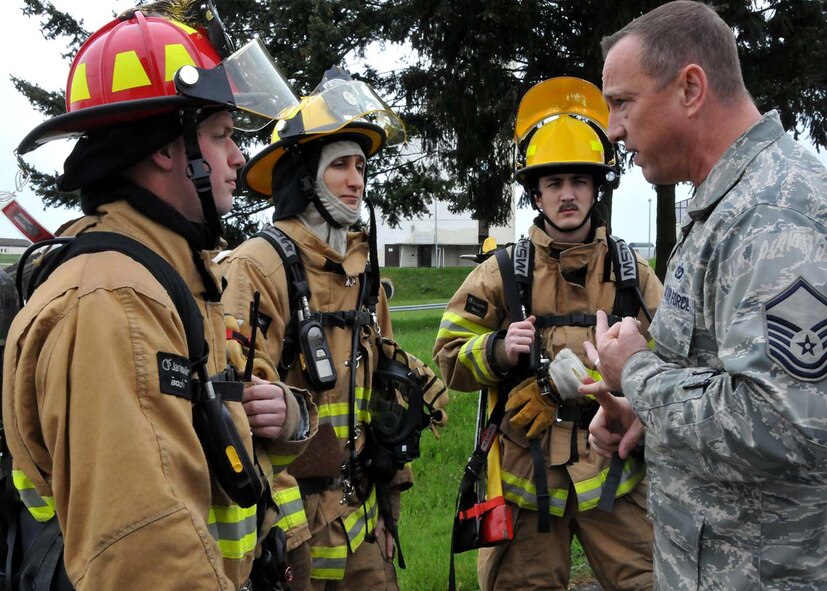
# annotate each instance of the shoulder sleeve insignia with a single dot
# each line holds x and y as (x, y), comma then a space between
(796, 328)
(174, 374)
(476, 306)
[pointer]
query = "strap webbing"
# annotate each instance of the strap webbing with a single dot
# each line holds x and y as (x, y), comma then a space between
(166, 275)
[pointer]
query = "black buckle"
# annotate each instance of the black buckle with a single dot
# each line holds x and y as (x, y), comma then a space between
(582, 320)
(199, 170)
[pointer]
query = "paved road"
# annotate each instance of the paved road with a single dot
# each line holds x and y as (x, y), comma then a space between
(414, 307)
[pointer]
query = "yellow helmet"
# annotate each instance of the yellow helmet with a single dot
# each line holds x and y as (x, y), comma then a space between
(561, 123)
(338, 109)
(564, 142)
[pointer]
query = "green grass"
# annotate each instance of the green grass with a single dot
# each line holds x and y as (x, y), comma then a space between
(428, 508)
(8, 259)
(417, 285)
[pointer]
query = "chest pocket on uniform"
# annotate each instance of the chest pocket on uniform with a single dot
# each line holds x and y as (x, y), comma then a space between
(674, 324)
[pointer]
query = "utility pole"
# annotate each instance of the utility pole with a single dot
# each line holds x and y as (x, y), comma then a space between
(436, 237)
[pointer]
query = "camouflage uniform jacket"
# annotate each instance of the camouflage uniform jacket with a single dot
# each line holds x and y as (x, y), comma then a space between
(733, 397)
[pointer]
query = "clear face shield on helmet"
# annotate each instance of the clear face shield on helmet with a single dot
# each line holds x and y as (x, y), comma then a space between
(338, 103)
(248, 81)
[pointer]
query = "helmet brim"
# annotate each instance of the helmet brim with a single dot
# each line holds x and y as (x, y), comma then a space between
(538, 170)
(82, 122)
(257, 175)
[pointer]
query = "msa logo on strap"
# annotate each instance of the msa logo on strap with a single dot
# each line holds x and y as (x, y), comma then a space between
(521, 258)
(286, 244)
(796, 329)
(626, 265)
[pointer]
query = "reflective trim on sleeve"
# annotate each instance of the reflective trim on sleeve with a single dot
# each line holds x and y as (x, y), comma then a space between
(281, 461)
(453, 326)
(234, 529)
(291, 508)
(472, 355)
(41, 508)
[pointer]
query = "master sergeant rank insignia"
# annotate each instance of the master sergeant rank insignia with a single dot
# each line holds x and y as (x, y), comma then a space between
(796, 328)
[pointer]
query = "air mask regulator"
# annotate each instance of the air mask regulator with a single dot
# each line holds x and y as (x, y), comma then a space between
(315, 357)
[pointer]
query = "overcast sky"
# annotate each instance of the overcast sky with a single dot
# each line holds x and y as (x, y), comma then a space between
(27, 55)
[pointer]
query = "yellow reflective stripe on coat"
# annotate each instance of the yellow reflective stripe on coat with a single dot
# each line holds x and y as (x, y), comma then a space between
(355, 524)
(328, 562)
(473, 355)
(281, 461)
(41, 508)
(291, 508)
(453, 326)
(337, 414)
(588, 491)
(523, 493)
(234, 529)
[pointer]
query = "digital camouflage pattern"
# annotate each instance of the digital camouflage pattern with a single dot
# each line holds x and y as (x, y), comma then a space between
(734, 396)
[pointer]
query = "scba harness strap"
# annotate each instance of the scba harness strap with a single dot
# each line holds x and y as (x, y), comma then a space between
(628, 302)
(395, 430)
(40, 566)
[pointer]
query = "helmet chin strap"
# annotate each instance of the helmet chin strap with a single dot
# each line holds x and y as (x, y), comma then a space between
(307, 185)
(198, 171)
(567, 230)
(557, 228)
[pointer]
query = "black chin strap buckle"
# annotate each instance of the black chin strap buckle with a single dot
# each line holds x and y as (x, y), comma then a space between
(199, 170)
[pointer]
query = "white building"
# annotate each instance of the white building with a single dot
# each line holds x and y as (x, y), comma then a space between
(438, 238)
(14, 245)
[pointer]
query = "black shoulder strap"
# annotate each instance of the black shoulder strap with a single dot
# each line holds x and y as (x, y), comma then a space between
(166, 275)
(510, 288)
(628, 299)
(297, 285)
(372, 267)
(516, 278)
(523, 257)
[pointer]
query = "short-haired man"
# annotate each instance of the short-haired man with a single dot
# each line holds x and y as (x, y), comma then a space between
(733, 397)
(99, 396)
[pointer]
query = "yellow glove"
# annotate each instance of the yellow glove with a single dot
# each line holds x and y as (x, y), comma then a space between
(237, 355)
(534, 408)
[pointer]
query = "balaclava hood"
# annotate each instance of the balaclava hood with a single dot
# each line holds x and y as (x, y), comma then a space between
(335, 207)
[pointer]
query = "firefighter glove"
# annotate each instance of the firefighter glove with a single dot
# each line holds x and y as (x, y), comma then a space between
(532, 410)
(566, 372)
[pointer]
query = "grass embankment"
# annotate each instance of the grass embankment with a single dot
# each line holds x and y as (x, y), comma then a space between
(8, 259)
(423, 285)
(428, 508)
